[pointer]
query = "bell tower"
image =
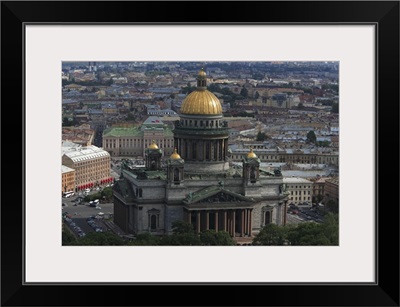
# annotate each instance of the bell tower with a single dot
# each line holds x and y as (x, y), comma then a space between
(153, 156)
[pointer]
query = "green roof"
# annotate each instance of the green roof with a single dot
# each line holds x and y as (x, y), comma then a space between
(122, 131)
(156, 175)
(131, 131)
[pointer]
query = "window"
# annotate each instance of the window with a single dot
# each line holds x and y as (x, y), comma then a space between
(268, 217)
(153, 222)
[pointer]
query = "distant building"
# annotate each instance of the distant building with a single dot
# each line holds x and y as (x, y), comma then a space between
(74, 87)
(67, 179)
(300, 190)
(82, 135)
(319, 188)
(132, 141)
(332, 189)
(276, 154)
(91, 165)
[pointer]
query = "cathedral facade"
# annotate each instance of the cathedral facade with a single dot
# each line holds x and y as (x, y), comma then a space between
(196, 183)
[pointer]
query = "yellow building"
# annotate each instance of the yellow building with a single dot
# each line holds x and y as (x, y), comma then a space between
(67, 179)
(132, 141)
(300, 190)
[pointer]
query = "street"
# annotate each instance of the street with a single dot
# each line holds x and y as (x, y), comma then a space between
(79, 213)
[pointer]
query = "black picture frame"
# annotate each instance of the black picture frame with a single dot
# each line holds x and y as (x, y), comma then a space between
(383, 14)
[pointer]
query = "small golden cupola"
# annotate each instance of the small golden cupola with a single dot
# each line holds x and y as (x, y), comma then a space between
(175, 155)
(201, 101)
(251, 154)
(153, 145)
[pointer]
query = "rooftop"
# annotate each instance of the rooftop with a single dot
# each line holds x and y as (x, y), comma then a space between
(86, 153)
(66, 169)
(122, 131)
(295, 180)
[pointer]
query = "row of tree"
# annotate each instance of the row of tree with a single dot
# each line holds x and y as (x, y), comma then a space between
(183, 234)
(303, 234)
(105, 194)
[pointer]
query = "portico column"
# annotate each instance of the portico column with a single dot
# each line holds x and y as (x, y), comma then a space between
(250, 229)
(216, 221)
(198, 221)
(248, 222)
(242, 223)
(189, 213)
(285, 214)
(207, 220)
(233, 222)
(225, 221)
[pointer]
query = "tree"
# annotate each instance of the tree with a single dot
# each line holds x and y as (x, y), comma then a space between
(107, 193)
(323, 143)
(67, 237)
(182, 234)
(335, 107)
(219, 238)
(271, 234)
(186, 239)
(130, 117)
(319, 198)
(101, 239)
(332, 206)
(256, 95)
(260, 136)
(145, 239)
(331, 228)
(180, 227)
(66, 122)
(306, 234)
(300, 106)
(311, 137)
(244, 92)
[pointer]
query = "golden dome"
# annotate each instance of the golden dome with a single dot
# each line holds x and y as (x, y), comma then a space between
(175, 155)
(251, 154)
(202, 73)
(153, 145)
(201, 102)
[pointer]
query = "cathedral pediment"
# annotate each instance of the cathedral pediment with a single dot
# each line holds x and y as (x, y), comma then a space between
(216, 194)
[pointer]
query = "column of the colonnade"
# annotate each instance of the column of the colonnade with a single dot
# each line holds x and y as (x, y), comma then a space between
(242, 222)
(198, 225)
(233, 223)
